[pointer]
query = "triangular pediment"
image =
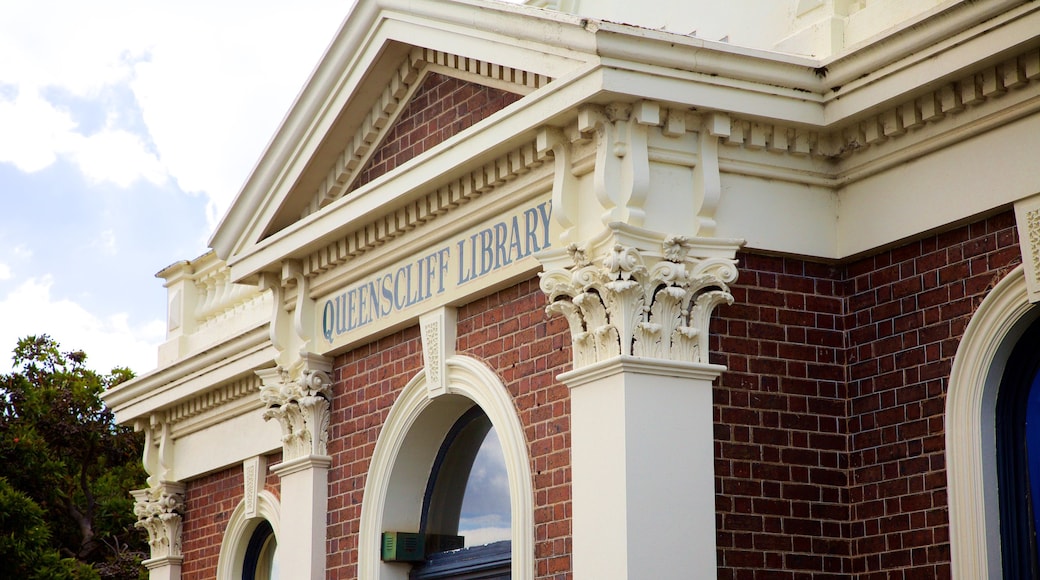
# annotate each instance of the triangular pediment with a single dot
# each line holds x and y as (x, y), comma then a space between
(434, 97)
(373, 107)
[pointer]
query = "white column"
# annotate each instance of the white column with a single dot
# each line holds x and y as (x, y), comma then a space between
(642, 462)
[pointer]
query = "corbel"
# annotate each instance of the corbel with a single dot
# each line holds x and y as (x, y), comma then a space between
(303, 316)
(565, 186)
(279, 316)
(622, 174)
(706, 175)
(158, 450)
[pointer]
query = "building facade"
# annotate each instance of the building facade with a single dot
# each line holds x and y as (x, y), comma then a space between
(587, 289)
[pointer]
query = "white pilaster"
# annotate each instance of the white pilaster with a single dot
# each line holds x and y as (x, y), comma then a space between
(159, 512)
(642, 440)
(642, 469)
(304, 500)
(299, 400)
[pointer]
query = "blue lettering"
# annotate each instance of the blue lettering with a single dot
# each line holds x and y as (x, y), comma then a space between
(487, 253)
(388, 294)
(546, 210)
(515, 249)
(351, 302)
(443, 255)
(501, 259)
(531, 229)
(328, 317)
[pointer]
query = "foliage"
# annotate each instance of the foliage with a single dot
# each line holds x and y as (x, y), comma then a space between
(65, 470)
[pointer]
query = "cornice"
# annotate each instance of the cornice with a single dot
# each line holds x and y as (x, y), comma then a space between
(163, 388)
(484, 179)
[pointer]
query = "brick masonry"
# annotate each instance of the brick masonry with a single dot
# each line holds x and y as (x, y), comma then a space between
(509, 332)
(829, 427)
(440, 108)
(209, 502)
(829, 434)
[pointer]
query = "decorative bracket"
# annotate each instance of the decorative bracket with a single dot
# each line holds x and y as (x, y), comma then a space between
(438, 342)
(158, 450)
(622, 174)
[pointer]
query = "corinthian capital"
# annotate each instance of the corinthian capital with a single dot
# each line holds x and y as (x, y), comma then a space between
(645, 302)
(159, 510)
(299, 399)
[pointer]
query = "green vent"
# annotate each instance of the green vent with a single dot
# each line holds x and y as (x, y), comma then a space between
(403, 547)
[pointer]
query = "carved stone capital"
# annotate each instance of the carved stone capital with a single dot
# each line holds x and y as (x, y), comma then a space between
(159, 511)
(299, 400)
(641, 301)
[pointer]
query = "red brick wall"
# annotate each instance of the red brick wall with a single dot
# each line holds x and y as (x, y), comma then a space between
(781, 453)
(441, 107)
(209, 502)
(829, 424)
(907, 311)
(510, 333)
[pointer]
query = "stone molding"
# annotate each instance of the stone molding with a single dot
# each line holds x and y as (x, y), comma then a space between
(160, 511)
(426, 208)
(644, 303)
(892, 122)
(301, 406)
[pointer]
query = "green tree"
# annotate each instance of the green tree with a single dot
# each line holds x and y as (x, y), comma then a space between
(66, 469)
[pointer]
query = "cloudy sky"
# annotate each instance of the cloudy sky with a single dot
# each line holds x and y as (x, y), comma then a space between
(126, 129)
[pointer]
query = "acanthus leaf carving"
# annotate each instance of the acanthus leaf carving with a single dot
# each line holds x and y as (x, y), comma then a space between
(159, 512)
(301, 406)
(633, 302)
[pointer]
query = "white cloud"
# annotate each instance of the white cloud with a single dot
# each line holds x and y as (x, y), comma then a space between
(5, 271)
(109, 342)
(211, 105)
(34, 131)
(116, 156)
(212, 80)
(106, 242)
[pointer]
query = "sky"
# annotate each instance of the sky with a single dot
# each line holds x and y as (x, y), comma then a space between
(126, 130)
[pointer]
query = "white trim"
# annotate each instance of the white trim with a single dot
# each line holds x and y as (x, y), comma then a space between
(970, 431)
(405, 451)
(240, 529)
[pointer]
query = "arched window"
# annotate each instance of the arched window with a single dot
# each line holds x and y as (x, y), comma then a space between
(249, 550)
(261, 559)
(466, 516)
(983, 377)
(426, 432)
(1018, 457)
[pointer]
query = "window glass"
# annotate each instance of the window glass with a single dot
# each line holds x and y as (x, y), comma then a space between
(261, 561)
(467, 510)
(485, 513)
(1018, 459)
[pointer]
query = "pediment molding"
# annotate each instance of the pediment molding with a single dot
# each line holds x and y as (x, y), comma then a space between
(394, 98)
(425, 208)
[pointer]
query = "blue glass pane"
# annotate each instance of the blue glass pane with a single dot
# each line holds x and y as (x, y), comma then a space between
(486, 515)
(1033, 448)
